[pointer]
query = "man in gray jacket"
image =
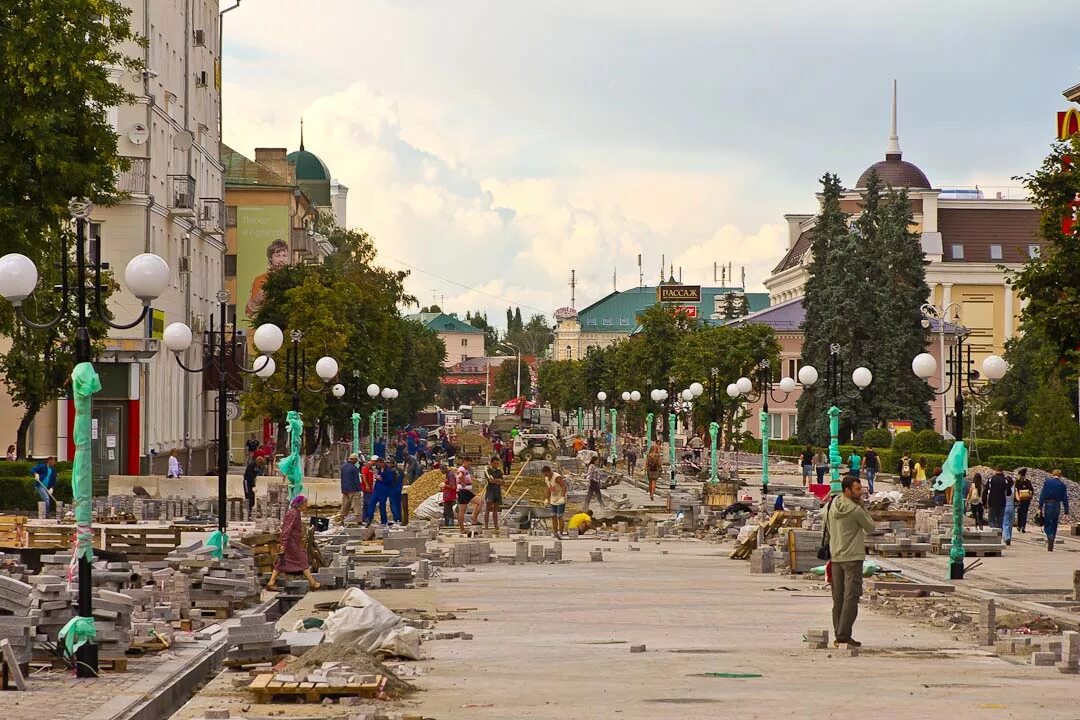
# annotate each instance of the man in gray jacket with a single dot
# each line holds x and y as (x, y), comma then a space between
(847, 523)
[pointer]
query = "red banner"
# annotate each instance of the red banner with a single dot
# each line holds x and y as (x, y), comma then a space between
(451, 380)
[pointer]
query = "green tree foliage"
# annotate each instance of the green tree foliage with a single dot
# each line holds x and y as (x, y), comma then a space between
(479, 320)
(1050, 283)
(504, 383)
(56, 144)
(347, 308)
(1032, 359)
(877, 438)
(1052, 429)
(533, 338)
(562, 385)
(864, 290)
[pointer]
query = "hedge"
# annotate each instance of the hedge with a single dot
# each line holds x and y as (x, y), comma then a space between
(17, 468)
(877, 438)
(20, 493)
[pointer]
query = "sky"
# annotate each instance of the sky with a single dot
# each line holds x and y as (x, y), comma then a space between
(492, 146)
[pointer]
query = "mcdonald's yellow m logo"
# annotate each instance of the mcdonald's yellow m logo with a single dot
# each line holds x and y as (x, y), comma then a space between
(1068, 123)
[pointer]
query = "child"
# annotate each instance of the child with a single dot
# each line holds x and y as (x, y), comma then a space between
(449, 497)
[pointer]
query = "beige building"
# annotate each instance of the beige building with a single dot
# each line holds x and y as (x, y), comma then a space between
(174, 208)
(462, 340)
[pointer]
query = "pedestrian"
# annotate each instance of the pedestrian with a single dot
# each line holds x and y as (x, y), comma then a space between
(653, 467)
(1007, 518)
(578, 443)
(11, 456)
(254, 468)
(941, 497)
(592, 476)
(847, 522)
(45, 481)
(507, 455)
(380, 447)
(997, 488)
(806, 460)
(293, 559)
(556, 498)
(464, 492)
(697, 445)
(920, 471)
(350, 489)
(493, 492)
(384, 483)
(1051, 499)
(592, 440)
(975, 500)
(449, 497)
(630, 453)
(906, 469)
(251, 445)
(872, 464)
(1025, 491)
(582, 522)
(821, 465)
(174, 470)
(397, 485)
(367, 490)
(854, 463)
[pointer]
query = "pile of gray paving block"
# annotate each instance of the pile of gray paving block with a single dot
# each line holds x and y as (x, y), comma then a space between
(389, 578)
(16, 623)
(51, 605)
(762, 560)
(1070, 653)
(112, 620)
(171, 596)
(471, 552)
(255, 640)
(217, 586)
(987, 628)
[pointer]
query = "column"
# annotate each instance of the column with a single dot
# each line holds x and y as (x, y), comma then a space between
(1008, 323)
(946, 294)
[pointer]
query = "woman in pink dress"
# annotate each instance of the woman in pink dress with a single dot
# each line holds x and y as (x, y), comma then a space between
(293, 559)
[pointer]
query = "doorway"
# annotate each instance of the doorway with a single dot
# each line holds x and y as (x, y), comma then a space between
(107, 440)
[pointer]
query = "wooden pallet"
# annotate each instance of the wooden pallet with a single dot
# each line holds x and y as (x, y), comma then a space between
(243, 663)
(901, 553)
(50, 536)
(266, 689)
(142, 544)
(13, 530)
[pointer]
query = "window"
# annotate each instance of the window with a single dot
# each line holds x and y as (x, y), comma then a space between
(230, 266)
(793, 425)
(93, 242)
(590, 321)
(776, 426)
(793, 367)
(607, 321)
(995, 252)
(230, 216)
(624, 321)
(464, 358)
(1034, 251)
(957, 252)
(464, 342)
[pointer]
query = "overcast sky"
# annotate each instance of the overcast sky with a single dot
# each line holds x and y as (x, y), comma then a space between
(499, 144)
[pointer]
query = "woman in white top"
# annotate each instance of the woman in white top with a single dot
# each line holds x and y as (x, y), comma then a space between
(174, 465)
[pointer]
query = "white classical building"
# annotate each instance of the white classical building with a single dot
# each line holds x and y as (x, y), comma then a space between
(174, 207)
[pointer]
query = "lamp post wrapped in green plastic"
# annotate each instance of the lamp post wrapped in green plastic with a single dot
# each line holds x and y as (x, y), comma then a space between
(764, 417)
(580, 421)
(953, 472)
(649, 418)
(614, 435)
(84, 382)
(714, 430)
(834, 450)
(291, 466)
(371, 431)
(356, 433)
(671, 419)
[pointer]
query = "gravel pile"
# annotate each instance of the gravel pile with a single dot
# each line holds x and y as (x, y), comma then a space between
(1037, 477)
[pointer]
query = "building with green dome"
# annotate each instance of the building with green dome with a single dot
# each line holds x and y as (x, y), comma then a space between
(313, 178)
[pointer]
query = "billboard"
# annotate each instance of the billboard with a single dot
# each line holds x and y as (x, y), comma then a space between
(262, 245)
(1068, 123)
(678, 293)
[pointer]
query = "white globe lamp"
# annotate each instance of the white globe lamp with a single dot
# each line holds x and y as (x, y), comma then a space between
(326, 368)
(924, 365)
(265, 366)
(177, 337)
(808, 375)
(744, 385)
(625, 396)
(147, 276)
(601, 396)
(635, 396)
(373, 390)
(862, 377)
(18, 277)
(994, 367)
(733, 391)
(787, 384)
(697, 388)
(338, 390)
(268, 338)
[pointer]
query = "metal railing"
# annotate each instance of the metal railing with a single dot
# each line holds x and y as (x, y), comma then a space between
(181, 192)
(136, 179)
(211, 214)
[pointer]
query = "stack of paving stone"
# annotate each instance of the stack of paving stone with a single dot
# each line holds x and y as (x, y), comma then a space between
(51, 605)
(16, 623)
(1070, 653)
(112, 620)
(12, 565)
(171, 596)
(218, 587)
(255, 640)
(389, 578)
(111, 575)
(473, 552)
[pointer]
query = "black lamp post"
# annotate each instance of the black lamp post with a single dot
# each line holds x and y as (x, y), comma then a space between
(744, 387)
(225, 350)
(146, 276)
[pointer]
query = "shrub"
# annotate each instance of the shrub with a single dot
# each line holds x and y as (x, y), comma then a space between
(904, 441)
(928, 441)
(877, 438)
(987, 449)
(20, 468)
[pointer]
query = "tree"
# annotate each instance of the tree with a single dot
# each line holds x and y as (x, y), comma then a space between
(504, 386)
(1052, 429)
(479, 320)
(1050, 282)
(534, 338)
(56, 144)
(431, 309)
(1032, 359)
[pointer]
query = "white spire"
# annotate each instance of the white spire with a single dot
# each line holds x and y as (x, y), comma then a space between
(894, 139)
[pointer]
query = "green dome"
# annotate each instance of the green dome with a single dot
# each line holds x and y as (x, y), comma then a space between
(309, 166)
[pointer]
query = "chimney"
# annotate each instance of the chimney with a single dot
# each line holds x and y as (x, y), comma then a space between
(273, 159)
(793, 223)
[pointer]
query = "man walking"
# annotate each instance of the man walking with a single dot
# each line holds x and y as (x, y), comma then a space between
(493, 492)
(556, 498)
(367, 489)
(592, 476)
(350, 489)
(871, 463)
(847, 522)
(1051, 499)
(998, 487)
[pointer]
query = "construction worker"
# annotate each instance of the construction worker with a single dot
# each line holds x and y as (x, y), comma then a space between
(582, 522)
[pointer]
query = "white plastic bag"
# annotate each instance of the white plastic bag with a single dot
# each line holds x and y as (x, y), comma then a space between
(431, 508)
(372, 627)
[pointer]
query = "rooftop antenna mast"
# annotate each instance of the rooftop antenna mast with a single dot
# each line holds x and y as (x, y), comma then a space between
(663, 262)
(615, 279)
(573, 286)
(640, 273)
(743, 284)
(723, 276)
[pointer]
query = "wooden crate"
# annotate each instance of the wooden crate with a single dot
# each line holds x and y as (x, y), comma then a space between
(49, 536)
(13, 530)
(142, 544)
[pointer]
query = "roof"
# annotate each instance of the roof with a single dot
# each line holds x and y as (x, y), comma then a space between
(443, 323)
(795, 254)
(784, 317)
(241, 170)
(976, 229)
(309, 166)
(896, 173)
(618, 311)
(1072, 94)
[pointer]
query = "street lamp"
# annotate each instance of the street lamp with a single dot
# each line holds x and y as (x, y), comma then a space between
(224, 350)
(296, 380)
(658, 396)
(601, 398)
(861, 377)
(146, 276)
(958, 371)
(744, 387)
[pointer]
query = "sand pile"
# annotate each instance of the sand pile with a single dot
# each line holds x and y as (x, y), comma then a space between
(349, 654)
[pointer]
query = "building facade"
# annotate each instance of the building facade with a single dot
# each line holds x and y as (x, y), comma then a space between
(462, 340)
(615, 316)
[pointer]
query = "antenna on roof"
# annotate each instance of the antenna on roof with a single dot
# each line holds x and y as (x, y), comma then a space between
(723, 276)
(680, 274)
(301, 134)
(663, 262)
(894, 138)
(743, 284)
(573, 285)
(640, 274)
(615, 279)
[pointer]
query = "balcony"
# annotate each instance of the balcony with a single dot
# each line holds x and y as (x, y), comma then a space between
(136, 179)
(211, 215)
(302, 244)
(181, 194)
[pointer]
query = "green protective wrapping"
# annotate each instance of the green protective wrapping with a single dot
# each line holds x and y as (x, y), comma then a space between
(84, 383)
(356, 432)
(219, 541)
(603, 421)
(291, 466)
(580, 421)
(649, 418)
(764, 417)
(714, 430)
(78, 631)
(614, 434)
(955, 468)
(671, 420)
(834, 450)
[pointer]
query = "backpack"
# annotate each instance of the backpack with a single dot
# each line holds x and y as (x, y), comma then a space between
(905, 467)
(824, 553)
